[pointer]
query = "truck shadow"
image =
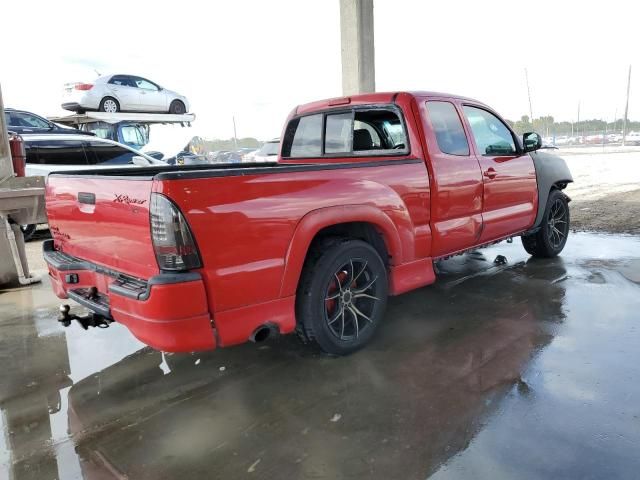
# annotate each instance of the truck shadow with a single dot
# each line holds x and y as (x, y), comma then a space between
(439, 367)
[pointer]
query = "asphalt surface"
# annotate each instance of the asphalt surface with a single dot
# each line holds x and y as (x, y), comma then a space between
(527, 370)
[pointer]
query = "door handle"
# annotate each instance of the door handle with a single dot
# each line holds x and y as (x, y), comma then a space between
(490, 173)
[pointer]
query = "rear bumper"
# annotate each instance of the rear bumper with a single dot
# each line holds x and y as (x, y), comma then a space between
(169, 312)
(72, 106)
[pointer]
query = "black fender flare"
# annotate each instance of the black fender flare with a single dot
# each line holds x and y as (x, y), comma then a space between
(551, 172)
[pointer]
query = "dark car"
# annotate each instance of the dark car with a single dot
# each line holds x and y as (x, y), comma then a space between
(47, 153)
(20, 121)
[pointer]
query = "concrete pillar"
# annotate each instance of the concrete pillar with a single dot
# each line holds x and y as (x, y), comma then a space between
(358, 53)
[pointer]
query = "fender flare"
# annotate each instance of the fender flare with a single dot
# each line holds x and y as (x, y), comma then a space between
(316, 220)
(551, 170)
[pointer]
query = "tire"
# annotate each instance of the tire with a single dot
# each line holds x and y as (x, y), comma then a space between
(177, 108)
(342, 295)
(109, 105)
(28, 231)
(551, 238)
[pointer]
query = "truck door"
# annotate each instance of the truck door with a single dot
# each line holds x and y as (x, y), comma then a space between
(456, 188)
(510, 190)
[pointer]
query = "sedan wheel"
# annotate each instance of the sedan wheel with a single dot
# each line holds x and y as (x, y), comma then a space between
(109, 105)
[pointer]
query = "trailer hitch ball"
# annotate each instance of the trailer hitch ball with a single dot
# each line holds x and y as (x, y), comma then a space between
(91, 320)
(64, 318)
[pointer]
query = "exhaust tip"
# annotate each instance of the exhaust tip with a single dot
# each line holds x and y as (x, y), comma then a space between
(263, 332)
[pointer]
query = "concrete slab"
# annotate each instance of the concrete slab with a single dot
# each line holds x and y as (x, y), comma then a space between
(524, 370)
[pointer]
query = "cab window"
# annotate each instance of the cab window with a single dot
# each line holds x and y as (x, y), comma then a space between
(448, 128)
(491, 135)
(360, 131)
(304, 137)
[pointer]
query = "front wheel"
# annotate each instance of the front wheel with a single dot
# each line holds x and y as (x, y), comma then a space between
(177, 107)
(551, 238)
(342, 295)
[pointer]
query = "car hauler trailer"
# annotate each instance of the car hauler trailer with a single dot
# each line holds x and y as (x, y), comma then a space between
(132, 129)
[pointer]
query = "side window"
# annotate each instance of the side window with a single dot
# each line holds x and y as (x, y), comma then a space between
(119, 80)
(448, 128)
(104, 153)
(304, 136)
(337, 135)
(19, 119)
(61, 152)
(144, 84)
(491, 135)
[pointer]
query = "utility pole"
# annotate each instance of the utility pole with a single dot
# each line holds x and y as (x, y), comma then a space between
(526, 76)
(235, 136)
(578, 121)
(626, 109)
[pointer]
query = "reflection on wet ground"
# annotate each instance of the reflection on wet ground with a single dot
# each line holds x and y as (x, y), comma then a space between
(523, 370)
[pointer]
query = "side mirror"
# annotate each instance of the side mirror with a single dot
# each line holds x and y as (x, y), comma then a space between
(531, 141)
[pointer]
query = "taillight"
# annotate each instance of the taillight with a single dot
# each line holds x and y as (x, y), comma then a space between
(83, 86)
(173, 243)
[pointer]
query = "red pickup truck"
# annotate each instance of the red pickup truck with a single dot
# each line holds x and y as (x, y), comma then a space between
(368, 192)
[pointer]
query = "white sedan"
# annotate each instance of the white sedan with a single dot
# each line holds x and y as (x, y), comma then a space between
(122, 93)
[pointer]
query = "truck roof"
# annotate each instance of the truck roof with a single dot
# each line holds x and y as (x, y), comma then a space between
(80, 118)
(368, 98)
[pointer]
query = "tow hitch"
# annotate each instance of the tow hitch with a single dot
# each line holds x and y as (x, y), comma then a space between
(90, 320)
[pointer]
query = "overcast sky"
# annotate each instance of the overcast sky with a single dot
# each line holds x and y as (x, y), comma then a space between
(258, 59)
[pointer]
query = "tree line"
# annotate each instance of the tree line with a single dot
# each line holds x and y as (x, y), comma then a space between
(547, 126)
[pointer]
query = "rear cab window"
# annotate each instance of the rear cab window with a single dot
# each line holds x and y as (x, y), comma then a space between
(359, 131)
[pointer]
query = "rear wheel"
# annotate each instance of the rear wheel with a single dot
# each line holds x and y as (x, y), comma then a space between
(342, 295)
(551, 238)
(109, 105)
(177, 107)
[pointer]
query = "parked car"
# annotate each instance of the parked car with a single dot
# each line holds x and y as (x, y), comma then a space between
(55, 152)
(50, 153)
(122, 93)
(21, 121)
(633, 138)
(368, 193)
(268, 152)
(249, 154)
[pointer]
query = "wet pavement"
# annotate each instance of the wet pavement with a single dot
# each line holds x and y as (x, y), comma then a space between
(525, 370)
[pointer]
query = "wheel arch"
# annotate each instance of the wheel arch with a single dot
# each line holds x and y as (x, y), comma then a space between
(352, 221)
(552, 173)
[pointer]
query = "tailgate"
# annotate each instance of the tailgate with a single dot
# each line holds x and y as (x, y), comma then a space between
(104, 221)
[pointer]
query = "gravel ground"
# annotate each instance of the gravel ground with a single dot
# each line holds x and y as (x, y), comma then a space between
(613, 213)
(606, 190)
